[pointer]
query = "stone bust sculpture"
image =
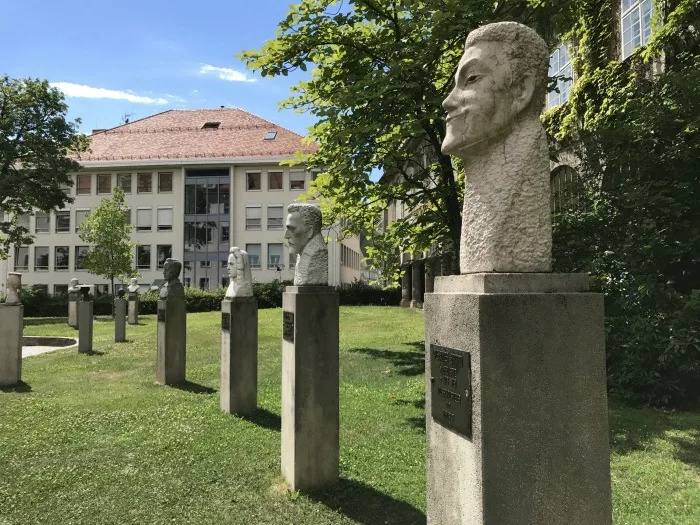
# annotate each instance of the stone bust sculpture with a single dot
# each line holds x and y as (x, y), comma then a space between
(241, 280)
(74, 286)
(134, 285)
(493, 125)
(14, 285)
(303, 235)
(173, 288)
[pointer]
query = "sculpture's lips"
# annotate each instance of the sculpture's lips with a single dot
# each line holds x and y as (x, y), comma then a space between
(452, 116)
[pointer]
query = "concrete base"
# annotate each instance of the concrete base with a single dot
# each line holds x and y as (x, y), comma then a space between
(133, 308)
(11, 326)
(119, 320)
(85, 327)
(73, 309)
(238, 389)
(310, 420)
(172, 342)
(538, 453)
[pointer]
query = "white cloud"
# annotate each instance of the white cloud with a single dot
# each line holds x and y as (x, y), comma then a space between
(225, 73)
(175, 98)
(80, 91)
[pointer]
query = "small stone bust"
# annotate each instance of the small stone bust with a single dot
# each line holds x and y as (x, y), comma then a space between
(73, 286)
(14, 285)
(173, 288)
(303, 235)
(241, 280)
(134, 285)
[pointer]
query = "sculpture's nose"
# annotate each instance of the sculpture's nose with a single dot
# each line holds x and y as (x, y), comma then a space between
(450, 102)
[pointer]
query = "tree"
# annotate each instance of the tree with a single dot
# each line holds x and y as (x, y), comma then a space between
(108, 232)
(36, 144)
(381, 71)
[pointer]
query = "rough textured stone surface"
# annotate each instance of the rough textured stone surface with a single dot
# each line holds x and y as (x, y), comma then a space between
(406, 285)
(240, 277)
(119, 320)
(310, 395)
(12, 288)
(539, 451)
(513, 283)
(85, 327)
(493, 126)
(172, 341)
(73, 309)
(133, 308)
(238, 389)
(417, 283)
(11, 326)
(173, 287)
(303, 235)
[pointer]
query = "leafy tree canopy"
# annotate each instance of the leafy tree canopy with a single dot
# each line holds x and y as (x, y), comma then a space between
(381, 69)
(35, 143)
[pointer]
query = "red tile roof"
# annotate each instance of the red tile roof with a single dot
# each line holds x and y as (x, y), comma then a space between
(178, 134)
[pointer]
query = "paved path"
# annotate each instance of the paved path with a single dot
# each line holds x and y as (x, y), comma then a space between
(36, 350)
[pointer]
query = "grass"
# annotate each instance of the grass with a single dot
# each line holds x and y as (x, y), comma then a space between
(91, 439)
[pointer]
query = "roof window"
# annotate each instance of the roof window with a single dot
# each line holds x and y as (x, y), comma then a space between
(271, 135)
(211, 125)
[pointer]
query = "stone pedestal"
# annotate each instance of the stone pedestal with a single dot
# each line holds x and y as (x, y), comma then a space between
(133, 308)
(85, 327)
(73, 309)
(516, 407)
(238, 389)
(417, 283)
(310, 423)
(429, 278)
(11, 325)
(406, 275)
(119, 320)
(172, 333)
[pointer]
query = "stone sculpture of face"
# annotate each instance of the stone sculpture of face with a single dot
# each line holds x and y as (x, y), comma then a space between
(296, 233)
(232, 266)
(134, 281)
(484, 100)
(170, 271)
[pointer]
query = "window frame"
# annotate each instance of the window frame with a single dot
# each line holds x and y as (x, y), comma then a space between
(159, 265)
(83, 176)
(150, 216)
(140, 266)
(38, 268)
(252, 226)
(23, 268)
(65, 268)
(247, 180)
(121, 176)
(279, 227)
(42, 215)
(63, 214)
(269, 180)
(161, 173)
(555, 98)
(259, 256)
(644, 32)
(292, 173)
(165, 227)
(104, 176)
(77, 224)
(139, 177)
(76, 258)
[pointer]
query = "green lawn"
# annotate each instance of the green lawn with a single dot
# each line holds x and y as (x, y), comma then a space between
(92, 440)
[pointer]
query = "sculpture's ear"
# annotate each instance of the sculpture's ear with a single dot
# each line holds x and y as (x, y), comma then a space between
(523, 91)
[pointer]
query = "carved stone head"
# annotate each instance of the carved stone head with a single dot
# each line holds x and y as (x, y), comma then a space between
(172, 269)
(303, 223)
(14, 285)
(241, 280)
(501, 77)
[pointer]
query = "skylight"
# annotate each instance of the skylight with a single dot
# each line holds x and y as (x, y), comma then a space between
(211, 125)
(271, 135)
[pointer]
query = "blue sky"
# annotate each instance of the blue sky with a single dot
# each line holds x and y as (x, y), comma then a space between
(138, 58)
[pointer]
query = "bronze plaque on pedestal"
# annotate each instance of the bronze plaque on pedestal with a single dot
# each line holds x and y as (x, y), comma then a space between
(226, 321)
(451, 389)
(288, 326)
(161, 315)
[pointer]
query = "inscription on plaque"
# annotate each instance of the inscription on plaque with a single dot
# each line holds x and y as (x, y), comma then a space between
(226, 321)
(451, 388)
(288, 326)
(161, 315)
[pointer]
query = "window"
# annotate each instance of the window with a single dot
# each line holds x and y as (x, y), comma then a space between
(204, 283)
(560, 66)
(143, 257)
(224, 232)
(23, 220)
(21, 258)
(205, 264)
(80, 216)
(636, 24)
(60, 289)
(42, 222)
(223, 264)
(225, 197)
(253, 181)
(165, 182)
(104, 183)
(41, 258)
(270, 135)
(124, 181)
(274, 256)
(165, 251)
(253, 255)
(60, 260)
(274, 217)
(165, 219)
(143, 219)
(297, 180)
(253, 217)
(101, 289)
(274, 180)
(144, 182)
(84, 184)
(127, 214)
(62, 221)
(564, 186)
(211, 125)
(292, 261)
(80, 253)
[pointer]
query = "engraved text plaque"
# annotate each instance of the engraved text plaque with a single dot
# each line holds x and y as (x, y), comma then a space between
(288, 326)
(226, 321)
(161, 315)
(451, 388)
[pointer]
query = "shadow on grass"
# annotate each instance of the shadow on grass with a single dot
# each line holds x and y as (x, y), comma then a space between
(367, 505)
(408, 362)
(264, 419)
(417, 422)
(39, 321)
(19, 388)
(92, 352)
(195, 388)
(635, 429)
